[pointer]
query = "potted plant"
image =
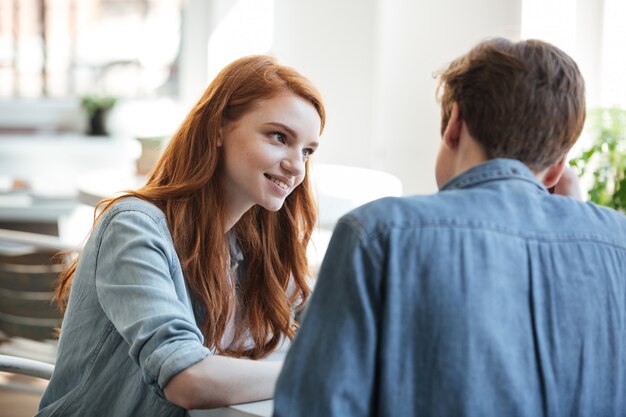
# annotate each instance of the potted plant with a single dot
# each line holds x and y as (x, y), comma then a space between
(96, 109)
(605, 159)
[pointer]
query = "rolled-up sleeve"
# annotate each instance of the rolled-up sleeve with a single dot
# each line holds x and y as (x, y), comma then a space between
(145, 299)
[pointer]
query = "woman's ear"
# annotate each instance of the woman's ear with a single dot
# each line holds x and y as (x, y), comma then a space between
(220, 143)
(453, 130)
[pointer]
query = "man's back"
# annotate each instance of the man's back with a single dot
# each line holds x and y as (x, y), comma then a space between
(489, 298)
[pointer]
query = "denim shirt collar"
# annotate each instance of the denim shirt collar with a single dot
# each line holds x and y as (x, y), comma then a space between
(236, 255)
(492, 170)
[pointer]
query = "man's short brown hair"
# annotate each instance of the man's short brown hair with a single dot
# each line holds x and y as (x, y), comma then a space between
(522, 100)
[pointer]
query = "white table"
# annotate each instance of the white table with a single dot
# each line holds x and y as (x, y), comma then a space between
(49, 165)
(96, 185)
(259, 408)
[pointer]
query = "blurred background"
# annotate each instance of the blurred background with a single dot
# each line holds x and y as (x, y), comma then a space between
(373, 60)
(91, 90)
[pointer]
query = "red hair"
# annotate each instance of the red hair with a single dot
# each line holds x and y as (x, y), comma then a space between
(185, 184)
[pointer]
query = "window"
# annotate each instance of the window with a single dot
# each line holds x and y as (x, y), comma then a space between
(66, 48)
(593, 33)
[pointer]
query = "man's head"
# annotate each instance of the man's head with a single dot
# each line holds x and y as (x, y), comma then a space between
(523, 100)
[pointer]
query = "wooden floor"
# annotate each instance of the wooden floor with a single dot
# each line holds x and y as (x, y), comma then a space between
(19, 395)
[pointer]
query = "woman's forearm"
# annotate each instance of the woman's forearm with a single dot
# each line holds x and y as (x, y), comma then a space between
(218, 381)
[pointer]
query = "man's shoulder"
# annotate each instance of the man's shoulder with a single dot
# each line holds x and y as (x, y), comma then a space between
(596, 217)
(537, 215)
(390, 212)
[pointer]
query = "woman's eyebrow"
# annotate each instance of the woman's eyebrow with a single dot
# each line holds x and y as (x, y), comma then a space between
(285, 127)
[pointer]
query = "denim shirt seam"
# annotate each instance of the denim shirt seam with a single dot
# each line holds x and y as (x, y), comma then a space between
(162, 223)
(92, 359)
(364, 237)
(478, 225)
(477, 179)
(108, 221)
(494, 170)
(134, 207)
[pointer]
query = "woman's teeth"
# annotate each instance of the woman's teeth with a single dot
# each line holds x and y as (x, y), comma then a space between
(278, 182)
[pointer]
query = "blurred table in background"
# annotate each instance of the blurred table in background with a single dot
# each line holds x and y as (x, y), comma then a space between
(339, 189)
(39, 174)
(96, 185)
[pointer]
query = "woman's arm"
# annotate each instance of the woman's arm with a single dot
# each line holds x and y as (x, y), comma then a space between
(145, 301)
(217, 381)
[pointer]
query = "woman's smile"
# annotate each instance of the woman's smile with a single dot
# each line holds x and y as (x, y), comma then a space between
(265, 153)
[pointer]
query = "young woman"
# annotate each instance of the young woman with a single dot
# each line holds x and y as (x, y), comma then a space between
(184, 282)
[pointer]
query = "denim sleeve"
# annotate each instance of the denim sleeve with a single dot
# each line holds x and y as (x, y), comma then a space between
(330, 368)
(138, 293)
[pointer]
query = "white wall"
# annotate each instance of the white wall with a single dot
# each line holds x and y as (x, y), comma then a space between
(417, 38)
(578, 28)
(332, 43)
(373, 61)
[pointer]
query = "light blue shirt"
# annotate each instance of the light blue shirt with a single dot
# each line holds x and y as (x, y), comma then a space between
(489, 298)
(129, 326)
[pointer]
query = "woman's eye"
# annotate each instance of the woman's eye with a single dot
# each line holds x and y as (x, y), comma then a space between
(307, 152)
(279, 136)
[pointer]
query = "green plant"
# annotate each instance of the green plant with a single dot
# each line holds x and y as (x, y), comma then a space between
(605, 159)
(91, 104)
(96, 109)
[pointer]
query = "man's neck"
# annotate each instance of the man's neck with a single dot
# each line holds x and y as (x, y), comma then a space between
(469, 154)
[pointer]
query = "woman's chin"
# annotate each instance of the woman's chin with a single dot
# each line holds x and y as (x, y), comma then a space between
(273, 206)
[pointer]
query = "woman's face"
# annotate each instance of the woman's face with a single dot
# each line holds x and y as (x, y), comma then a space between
(265, 152)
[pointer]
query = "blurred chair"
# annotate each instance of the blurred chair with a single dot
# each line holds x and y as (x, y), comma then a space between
(21, 366)
(339, 189)
(22, 383)
(28, 273)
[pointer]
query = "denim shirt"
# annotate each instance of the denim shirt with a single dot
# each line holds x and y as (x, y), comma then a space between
(129, 326)
(489, 298)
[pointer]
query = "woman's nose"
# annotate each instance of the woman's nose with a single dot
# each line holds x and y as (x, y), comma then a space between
(293, 163)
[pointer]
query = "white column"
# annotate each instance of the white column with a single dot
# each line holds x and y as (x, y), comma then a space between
(416, 38)
(331, 42)
(196, 29)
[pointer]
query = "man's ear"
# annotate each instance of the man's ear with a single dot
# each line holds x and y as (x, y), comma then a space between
(453, 130)
(553, 173)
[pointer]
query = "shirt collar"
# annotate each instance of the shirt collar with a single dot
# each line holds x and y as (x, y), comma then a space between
(236, 255)
(491, 170)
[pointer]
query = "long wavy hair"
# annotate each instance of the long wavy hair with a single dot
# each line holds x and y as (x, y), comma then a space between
(185, 185)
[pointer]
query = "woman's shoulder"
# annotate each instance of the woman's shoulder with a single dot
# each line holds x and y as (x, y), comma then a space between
(132, 215)
(137, 205)
(132, 218)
